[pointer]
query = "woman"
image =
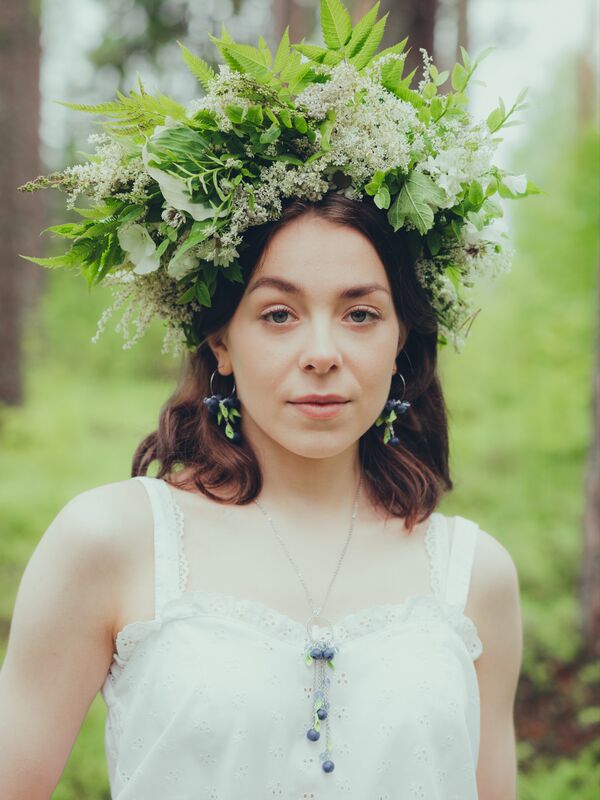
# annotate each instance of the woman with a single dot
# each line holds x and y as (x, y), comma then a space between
(208, 688)
(282, 611)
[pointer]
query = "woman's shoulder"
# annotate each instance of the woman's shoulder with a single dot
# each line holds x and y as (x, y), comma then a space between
(111, 520)
(492, 560)
(494, 581)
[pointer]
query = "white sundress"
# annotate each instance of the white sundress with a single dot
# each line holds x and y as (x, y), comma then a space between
(211, 700)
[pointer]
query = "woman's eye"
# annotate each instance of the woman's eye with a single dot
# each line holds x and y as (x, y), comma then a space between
(274, 312)
(364, 311)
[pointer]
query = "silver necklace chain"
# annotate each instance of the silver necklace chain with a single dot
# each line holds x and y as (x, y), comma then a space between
(317, 610)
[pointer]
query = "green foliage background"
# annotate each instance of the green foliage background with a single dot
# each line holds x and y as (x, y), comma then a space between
(519, 398)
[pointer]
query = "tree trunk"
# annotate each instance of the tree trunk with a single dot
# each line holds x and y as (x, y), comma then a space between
(462, 38)
(21, 215)
(415, 20)
(590, 570)
(300, 18)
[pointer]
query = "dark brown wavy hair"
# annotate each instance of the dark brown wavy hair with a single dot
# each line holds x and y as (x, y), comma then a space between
(407, 479)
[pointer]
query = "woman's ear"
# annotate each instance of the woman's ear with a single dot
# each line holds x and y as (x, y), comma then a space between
(402, 338)
(218, 346)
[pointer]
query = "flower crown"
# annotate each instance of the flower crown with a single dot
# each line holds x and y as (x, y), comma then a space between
(172, 188)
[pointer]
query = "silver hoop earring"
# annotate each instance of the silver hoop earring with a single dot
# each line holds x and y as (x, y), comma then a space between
(391, 410)
(225, 409)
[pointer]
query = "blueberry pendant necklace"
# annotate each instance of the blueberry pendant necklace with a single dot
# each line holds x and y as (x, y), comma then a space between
(321, 648)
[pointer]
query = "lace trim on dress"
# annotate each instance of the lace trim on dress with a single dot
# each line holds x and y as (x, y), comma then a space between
(179, 520)
(425, 609)
(432, 548)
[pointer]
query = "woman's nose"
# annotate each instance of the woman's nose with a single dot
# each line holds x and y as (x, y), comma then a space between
(320, 350)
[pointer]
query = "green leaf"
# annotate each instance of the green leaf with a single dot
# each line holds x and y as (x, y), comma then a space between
(476, 194)
(254, 116)
(312, 51)
(99, 212)
(263, 48)
(395, 48)
(286, 117)
(465, 58)
(453, 274)
(202, 294)
(199, 231)
(374, 184)
(459, 77)
(391, 74)
(198, 67)
(245, 58)
(234, 113)
(429, 91)
(188, 295)
(414, 202)
(436, 108)
(371, 44)
(70, 230)
(336, 23)
(271, 134)
(484, 54)
(361, 31)
(130, 213)
(228, 431)
(162, 247)
(434, 242)
(476, 219)
(53, 261)
(283, 51)
(532, 188)
(300, 123)
(382, 198)
(495, 119)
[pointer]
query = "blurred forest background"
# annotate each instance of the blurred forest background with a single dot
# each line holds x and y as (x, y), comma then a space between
(524, 397)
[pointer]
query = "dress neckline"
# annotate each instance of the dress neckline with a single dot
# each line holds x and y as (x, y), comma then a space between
(262, 617)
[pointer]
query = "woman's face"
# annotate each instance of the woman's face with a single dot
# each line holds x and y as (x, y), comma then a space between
(294, 334)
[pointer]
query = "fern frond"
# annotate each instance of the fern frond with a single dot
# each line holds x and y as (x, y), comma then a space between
(198, 67)
(138, 112)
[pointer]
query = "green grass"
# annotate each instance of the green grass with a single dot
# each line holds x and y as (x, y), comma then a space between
(520, 404)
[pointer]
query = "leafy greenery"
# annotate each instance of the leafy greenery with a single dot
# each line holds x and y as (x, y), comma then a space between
(210, 163)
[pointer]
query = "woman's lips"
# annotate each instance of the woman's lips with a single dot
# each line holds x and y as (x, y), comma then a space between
(320, 410)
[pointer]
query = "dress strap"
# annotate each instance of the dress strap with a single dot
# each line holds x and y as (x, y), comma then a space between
(460, 562)
(167, 573)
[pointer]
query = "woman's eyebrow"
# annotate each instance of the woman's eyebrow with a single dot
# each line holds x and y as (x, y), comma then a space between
(351, 292)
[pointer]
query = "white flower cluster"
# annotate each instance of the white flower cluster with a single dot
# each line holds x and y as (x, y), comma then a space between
(374, 129)
(464, 155)
(144, 298)
(110, 173)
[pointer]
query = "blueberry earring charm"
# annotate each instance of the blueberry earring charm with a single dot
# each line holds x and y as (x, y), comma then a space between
(392, 408)
(226, 409)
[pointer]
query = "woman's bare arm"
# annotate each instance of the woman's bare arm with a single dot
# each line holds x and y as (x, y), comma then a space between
(495, 604)
(60, 643)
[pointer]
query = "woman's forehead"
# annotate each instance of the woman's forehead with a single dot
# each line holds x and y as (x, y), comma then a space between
(315, 253)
